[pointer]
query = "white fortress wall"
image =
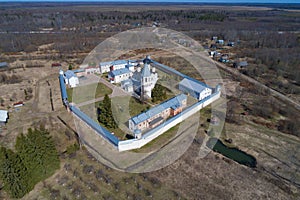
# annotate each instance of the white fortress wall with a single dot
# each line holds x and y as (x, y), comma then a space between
(157, 131)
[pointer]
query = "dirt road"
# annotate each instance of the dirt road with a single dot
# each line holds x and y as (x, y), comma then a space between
(259, 85)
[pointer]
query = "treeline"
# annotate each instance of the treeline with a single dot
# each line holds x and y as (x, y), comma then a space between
(43, 17)
(35, 158)
(269, 39)
(79, 30)
(66, 42)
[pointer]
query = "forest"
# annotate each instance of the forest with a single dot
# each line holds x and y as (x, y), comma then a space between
(269, 39)
(35, 158)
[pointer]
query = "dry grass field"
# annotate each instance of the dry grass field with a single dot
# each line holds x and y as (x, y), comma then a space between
(211, 177)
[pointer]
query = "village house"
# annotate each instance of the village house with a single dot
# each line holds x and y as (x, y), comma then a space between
(224, 59)
(3, 117)
(55, 65)
(220, 42)
(18, 104)
(215, 38)
(3, 65)
(240, 65)
(212, 53)
(230, 44)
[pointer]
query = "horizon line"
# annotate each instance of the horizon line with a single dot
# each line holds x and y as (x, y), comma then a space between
(158, 1)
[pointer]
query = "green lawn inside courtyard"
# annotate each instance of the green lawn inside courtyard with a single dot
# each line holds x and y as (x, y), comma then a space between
(123, 107)
(87, 92)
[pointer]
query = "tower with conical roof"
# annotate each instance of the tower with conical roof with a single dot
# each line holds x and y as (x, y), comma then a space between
(146, 82)
(148, 79)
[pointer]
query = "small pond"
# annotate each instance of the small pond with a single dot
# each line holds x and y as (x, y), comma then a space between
(232, 153)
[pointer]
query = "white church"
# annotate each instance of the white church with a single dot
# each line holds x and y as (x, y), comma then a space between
(144, 79)
(139, 79)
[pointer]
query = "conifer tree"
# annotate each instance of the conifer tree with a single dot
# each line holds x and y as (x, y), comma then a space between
(13, 173)
(35, 159)
(159, 93)
(105, 116)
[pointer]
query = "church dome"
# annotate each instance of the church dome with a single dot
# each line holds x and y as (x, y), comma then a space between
(147, 60)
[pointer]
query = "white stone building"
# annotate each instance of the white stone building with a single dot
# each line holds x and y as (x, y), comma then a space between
(119, 75)
(131, 65)
(144, 79)
(127, 85)
(92, 70)
(105, 67)
(71, 79)
(195, 88)
(112, 65)
(156, 115)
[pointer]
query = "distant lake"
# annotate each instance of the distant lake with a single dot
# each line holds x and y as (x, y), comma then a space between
(232, 153)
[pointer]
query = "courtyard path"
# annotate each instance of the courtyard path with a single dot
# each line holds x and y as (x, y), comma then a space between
(117, 91)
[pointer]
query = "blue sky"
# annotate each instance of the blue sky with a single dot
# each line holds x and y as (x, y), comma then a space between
(200, 1)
